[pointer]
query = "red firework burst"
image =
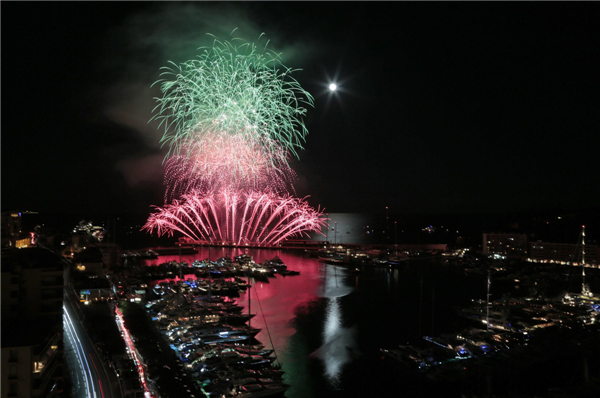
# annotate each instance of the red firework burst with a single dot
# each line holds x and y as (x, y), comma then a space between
(230, 161)
(237, 217)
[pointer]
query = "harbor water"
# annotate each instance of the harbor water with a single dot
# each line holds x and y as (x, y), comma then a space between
(329, 323)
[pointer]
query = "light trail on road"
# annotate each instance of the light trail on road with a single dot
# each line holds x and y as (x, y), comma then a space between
(131, 347)
(97, 372)
(83, 363)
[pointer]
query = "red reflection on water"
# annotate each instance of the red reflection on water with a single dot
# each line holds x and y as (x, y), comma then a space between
(188, 258)
(278, 298)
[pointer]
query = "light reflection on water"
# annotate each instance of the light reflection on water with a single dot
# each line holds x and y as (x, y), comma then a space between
(339, 344)
(279, 299)
(319, 319)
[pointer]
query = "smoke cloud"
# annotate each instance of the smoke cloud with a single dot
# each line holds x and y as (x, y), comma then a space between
(145, 41)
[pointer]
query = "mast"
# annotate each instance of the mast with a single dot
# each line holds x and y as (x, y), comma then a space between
(209, 276)
(335, 235)
(487, 303)
(420, 309)
(583, 290)
(396, 239)
(432, 307)
(387, 224)
(249, 313)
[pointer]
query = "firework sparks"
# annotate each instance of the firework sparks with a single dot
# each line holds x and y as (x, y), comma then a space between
(232, 119)
(224, 160)
(237, 89)
(239, 217)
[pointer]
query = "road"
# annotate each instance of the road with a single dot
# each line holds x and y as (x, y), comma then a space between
(89, 375)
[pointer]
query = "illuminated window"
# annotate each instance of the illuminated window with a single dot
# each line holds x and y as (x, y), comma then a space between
(37, 367)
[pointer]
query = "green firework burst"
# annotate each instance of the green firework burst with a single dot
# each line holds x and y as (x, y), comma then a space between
(239, 89)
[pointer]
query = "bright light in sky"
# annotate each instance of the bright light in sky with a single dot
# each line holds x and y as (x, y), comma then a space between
(332, 86)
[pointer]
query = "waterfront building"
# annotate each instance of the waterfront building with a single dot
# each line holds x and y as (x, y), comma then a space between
(32, 296)
(505, 244)
(14, 234)
(24, 242)
(31, 361)
(11, 229)
(562, 253)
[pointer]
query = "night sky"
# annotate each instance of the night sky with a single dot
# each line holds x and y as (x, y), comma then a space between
(441, 108)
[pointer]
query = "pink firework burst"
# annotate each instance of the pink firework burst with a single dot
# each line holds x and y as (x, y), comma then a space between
(227, 160)
(237, 217)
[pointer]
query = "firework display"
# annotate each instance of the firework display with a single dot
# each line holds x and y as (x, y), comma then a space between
(240, 90)
(224, 160)
(236, 217)
(232, 120)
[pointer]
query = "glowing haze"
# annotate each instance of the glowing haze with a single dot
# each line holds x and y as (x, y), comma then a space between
(232, 118)
(226, 160)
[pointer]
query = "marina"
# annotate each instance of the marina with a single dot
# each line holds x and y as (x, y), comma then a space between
(236, 200)
(331, 327)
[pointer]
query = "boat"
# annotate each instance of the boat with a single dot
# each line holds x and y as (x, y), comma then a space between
(258, 390)
(586, 293)
(332, 259)
(379, 263)
(243, 259)
(158, 290)
(250, 351)
(148, 254)
(217, 358)
(420, 358)
(287, 272)
(277, 262)
(241, 283)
